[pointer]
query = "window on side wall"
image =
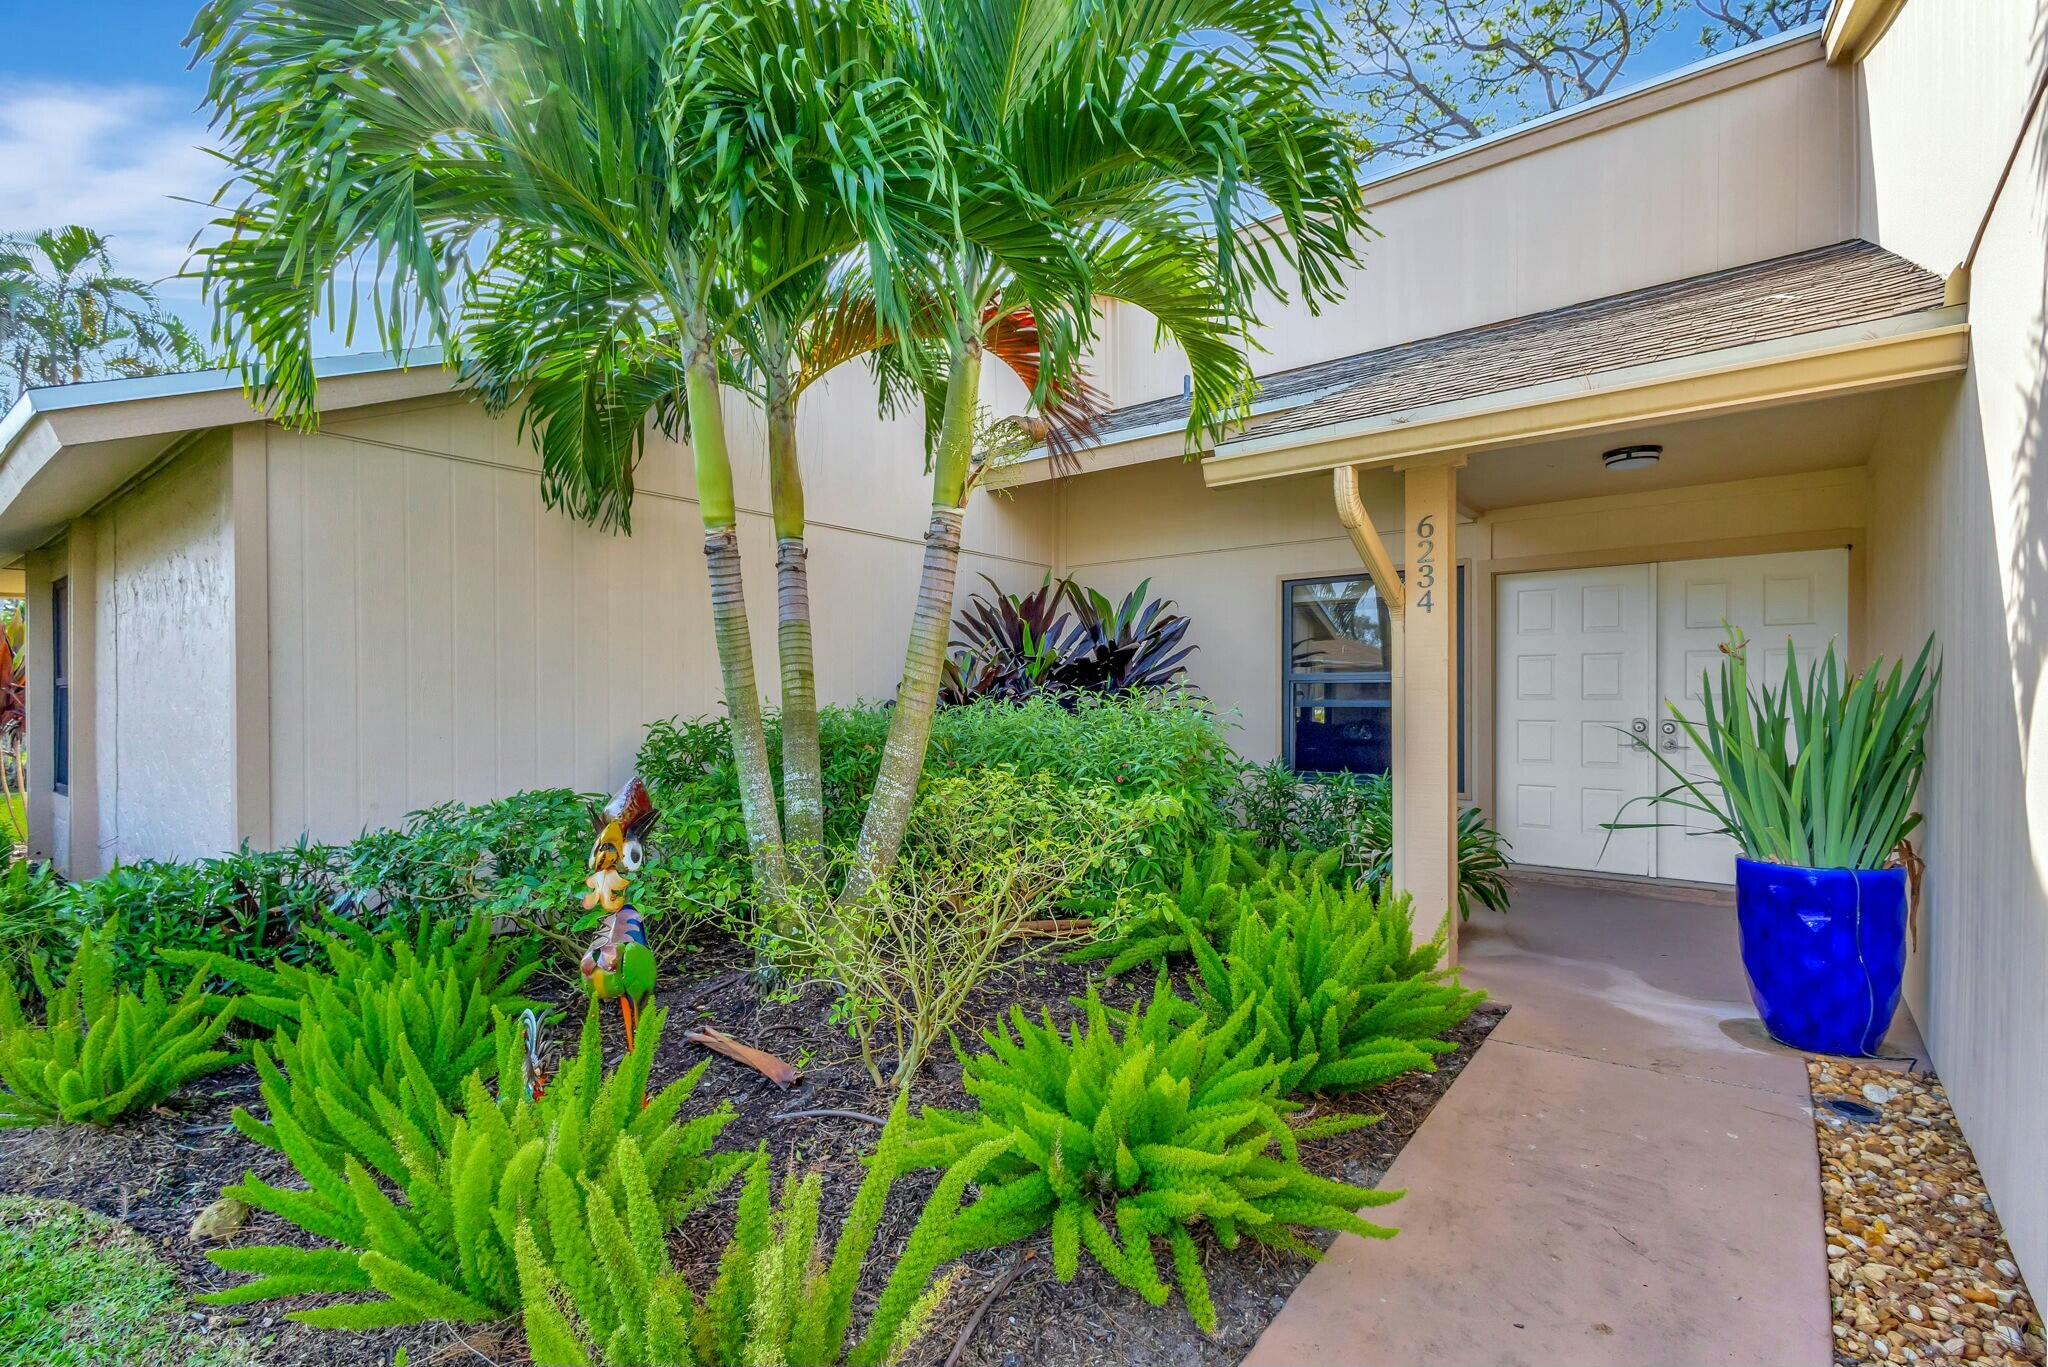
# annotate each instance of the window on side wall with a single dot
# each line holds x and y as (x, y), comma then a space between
(1338, 677)
(60, 686)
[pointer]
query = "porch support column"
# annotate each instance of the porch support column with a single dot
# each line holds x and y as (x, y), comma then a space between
(1426, 703)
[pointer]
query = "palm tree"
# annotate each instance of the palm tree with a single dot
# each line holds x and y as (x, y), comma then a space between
(66, 317)
(597, 173)
(1187, 160)
(564, 359)
(793, 337)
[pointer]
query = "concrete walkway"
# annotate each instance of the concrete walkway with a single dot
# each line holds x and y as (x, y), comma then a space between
(1624, 1173)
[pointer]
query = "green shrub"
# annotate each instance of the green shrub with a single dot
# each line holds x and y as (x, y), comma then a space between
(1134, 1127)
(249, 906)
(1215, 889)
(1338, 990)
(32, 905)
(445, 1249)
(105, 1051)
(780, 1295)
(1164, 747)
(984, 854)
(391, 1030)
(521, 859)
(1356, 813)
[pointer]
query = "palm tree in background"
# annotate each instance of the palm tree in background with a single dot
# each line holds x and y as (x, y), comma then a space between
(66, 317)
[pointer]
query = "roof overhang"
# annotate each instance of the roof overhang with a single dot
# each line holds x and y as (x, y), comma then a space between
(64, 451)
(1881, 354)
(1852, 28)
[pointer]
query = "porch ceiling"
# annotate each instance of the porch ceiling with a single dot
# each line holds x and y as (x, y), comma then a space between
(1823, 434)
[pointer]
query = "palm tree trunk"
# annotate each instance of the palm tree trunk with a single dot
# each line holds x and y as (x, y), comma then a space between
(803, 783)
(910, 731)
(729, 629)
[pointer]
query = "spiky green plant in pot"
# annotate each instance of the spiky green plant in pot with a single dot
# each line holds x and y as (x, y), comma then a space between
(1815, 781)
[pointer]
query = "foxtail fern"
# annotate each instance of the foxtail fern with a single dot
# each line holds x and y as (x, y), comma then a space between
(606, 1290)
(443, 1246)
(1216, 886)
(392, 1029)
(1338, 990)
(1134, 1127)
(486, 974)
(103, 1052)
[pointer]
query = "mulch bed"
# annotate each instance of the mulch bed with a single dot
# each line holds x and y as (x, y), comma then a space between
(1918, 1265)
(159, 1174)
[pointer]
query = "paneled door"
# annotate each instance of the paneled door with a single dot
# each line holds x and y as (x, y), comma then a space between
(1575, 680)
(1801, 598)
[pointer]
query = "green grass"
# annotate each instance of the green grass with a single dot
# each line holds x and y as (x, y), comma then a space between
(13, 825)
(77, 1288)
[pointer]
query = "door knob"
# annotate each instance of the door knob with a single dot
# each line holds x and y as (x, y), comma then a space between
(1670, 733)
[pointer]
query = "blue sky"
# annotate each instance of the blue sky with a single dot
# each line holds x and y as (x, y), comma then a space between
(100, 124)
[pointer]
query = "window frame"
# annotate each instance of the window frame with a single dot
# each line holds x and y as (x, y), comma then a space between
(60, 685)
(1289, 677)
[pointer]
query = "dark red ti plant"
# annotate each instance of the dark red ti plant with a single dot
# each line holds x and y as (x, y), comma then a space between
(1062, 639)
(13, 685)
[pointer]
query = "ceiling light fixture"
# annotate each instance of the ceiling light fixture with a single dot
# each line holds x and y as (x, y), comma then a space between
(1631, 457)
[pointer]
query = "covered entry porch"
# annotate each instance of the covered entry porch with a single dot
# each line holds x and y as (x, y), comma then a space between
(1557, 515)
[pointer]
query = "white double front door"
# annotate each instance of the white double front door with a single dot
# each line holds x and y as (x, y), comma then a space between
(1587, 663)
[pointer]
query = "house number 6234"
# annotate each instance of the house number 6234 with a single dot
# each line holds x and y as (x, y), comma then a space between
(1425, 563)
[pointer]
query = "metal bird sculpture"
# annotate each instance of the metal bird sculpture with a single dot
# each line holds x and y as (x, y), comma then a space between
(533, 1068)
(619, 965)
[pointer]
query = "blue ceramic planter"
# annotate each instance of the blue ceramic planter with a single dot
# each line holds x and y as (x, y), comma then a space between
(1825, 950)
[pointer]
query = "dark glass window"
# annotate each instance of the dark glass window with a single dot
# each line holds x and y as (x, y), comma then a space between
(1339, 680)
(60, 686)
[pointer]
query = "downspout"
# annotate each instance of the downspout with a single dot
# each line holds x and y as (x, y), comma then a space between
(1365, 539)
(1957, 288)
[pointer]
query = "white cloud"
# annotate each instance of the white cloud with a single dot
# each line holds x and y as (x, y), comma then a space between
(119, 160)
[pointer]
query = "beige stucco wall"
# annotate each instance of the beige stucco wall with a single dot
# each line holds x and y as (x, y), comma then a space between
(1958, 534)
(436, 633)
(1751, 159)
(151, 646)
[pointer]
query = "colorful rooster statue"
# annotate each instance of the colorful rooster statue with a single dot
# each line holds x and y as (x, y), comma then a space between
(619, 965)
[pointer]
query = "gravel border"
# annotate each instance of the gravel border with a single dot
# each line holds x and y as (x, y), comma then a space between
(1918, 1267)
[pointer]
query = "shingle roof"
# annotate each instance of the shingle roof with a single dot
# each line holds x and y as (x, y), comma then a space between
(1850, 282)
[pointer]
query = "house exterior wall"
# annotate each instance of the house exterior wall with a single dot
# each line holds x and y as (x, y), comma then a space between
(151, 638)
(1222, 555)
(1960, 503)
(1752, 157)
(435, 633)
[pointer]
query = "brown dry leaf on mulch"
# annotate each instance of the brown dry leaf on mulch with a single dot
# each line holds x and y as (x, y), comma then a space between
(1917, 1263)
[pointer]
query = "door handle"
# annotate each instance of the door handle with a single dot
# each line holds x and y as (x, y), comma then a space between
(1670, 741)
(1639, 729)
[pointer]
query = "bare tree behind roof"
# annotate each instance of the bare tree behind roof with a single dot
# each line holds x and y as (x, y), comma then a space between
(1431, 74)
